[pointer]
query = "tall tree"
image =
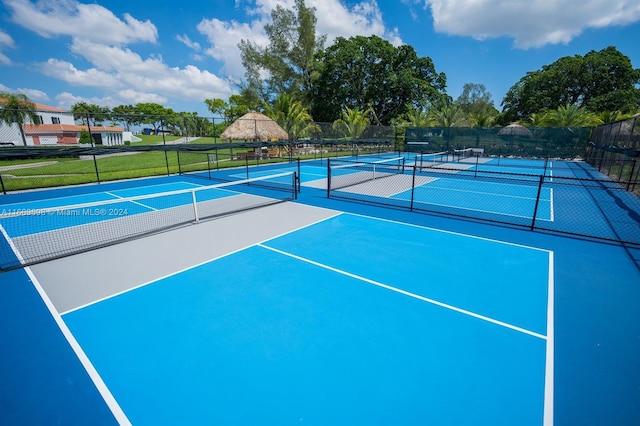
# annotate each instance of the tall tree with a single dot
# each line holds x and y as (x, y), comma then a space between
(125, 114)
(17, 108)
(154, 114)
(475, 100)
(290, 57)
(370, 73)
(90, 113)
(598, 81)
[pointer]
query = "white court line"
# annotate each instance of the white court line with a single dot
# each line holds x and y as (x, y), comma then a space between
(106, 394)
(132, 202)
(550, 352)
(478, 210)
(407, 293)
(427, 185)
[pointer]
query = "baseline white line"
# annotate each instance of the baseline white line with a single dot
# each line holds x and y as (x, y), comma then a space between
(93, 302)
(106, 394)
(428, 185)
(407, 293)
(549, 364)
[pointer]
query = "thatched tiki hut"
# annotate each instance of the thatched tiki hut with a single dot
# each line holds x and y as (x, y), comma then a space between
(254, 127)
(515, 130)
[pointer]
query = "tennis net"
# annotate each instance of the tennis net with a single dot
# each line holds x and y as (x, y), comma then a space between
(462, 154)
(424, 160)
(342, 173)
(31, 234)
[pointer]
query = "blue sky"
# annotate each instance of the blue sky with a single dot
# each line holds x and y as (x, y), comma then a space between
(59, 52)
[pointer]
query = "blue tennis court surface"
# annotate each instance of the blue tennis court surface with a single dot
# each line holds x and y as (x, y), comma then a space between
(302, 329)
(323, 311)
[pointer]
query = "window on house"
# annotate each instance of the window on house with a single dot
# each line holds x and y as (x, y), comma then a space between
(55, 120)
(40, 121)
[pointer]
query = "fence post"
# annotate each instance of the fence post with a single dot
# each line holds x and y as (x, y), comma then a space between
(164, 144)
(413, 186)
(633, 168)
(328, 177)
(535, 209)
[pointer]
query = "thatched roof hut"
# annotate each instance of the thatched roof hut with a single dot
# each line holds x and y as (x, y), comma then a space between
(515, 129)
(254, 127)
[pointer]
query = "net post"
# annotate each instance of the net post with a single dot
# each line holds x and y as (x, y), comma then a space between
(209, 165)
(4, 190)
(179, 167)
(477, 160)
(195, 206)
(294, 187)
(298, 175)
(535, 209)
(246, 164)
(328, 177)
(413, 186)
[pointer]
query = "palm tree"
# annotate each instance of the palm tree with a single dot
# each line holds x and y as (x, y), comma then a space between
(17, 108)
(353, 122)
(449, 115)
(571, 116)
(292, 116)
(417, 118)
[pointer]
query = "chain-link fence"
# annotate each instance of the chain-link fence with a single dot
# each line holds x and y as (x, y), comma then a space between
(513, 140)
(614, 150)
(560, 196)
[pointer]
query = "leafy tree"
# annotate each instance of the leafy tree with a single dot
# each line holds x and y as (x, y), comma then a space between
(217, 106)
(475, 100)
(125, 114)
(598, 81)
(289, 59)
(153, 114)
(352, 123)
(363, 73)
(89, 113)
(17, 108)
(85, 137)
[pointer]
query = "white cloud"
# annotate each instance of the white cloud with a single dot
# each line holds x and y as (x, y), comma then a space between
(184, 39)
(128, 75)
(68, 17)
(529, 23)
(66, 71)
(224, 38)
(34, 94)
(5, 42)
